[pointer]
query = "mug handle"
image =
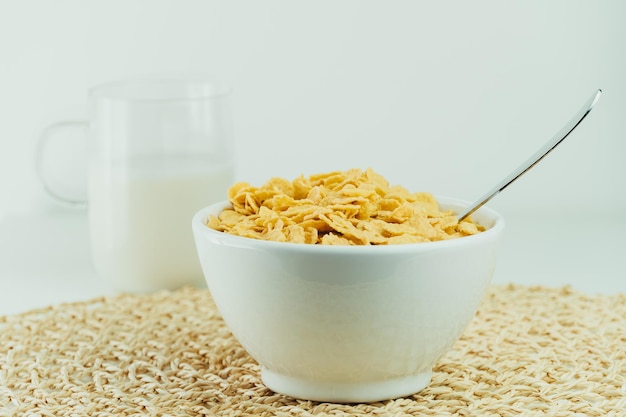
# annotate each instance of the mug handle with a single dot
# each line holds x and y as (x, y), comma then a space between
(44, 138)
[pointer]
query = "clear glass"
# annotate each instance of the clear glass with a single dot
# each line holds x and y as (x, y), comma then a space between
(159, 150)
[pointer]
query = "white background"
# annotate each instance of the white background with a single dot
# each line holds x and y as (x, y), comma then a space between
(443, 96)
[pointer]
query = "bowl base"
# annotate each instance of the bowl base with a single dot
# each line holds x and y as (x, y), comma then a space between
(337, 392)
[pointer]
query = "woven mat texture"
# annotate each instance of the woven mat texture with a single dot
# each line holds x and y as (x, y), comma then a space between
(529, 351)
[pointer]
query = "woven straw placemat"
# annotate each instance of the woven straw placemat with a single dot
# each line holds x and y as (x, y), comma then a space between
(529, 351)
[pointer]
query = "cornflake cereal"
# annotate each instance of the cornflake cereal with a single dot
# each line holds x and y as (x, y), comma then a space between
(354, 207)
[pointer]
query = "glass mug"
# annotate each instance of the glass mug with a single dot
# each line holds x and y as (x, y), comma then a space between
(159, 149)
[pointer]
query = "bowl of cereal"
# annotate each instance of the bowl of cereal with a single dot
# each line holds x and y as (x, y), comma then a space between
(342, 287)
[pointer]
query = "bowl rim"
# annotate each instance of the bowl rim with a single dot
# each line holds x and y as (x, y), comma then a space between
(226, 239)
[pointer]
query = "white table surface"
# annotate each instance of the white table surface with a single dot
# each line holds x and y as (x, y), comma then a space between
(45, 257)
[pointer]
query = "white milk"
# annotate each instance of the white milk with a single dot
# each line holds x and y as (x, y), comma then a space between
(140, 222)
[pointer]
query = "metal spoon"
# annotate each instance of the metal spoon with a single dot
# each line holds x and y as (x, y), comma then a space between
(536, 157)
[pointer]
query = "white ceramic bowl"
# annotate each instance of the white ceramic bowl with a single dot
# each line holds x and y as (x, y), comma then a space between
(347, 323)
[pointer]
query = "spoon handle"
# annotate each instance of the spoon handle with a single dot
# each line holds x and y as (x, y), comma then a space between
(536, 157)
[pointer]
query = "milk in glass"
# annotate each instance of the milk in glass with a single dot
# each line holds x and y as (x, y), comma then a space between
(140, 220)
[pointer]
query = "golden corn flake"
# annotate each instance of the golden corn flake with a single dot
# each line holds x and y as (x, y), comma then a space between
(354, 207)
